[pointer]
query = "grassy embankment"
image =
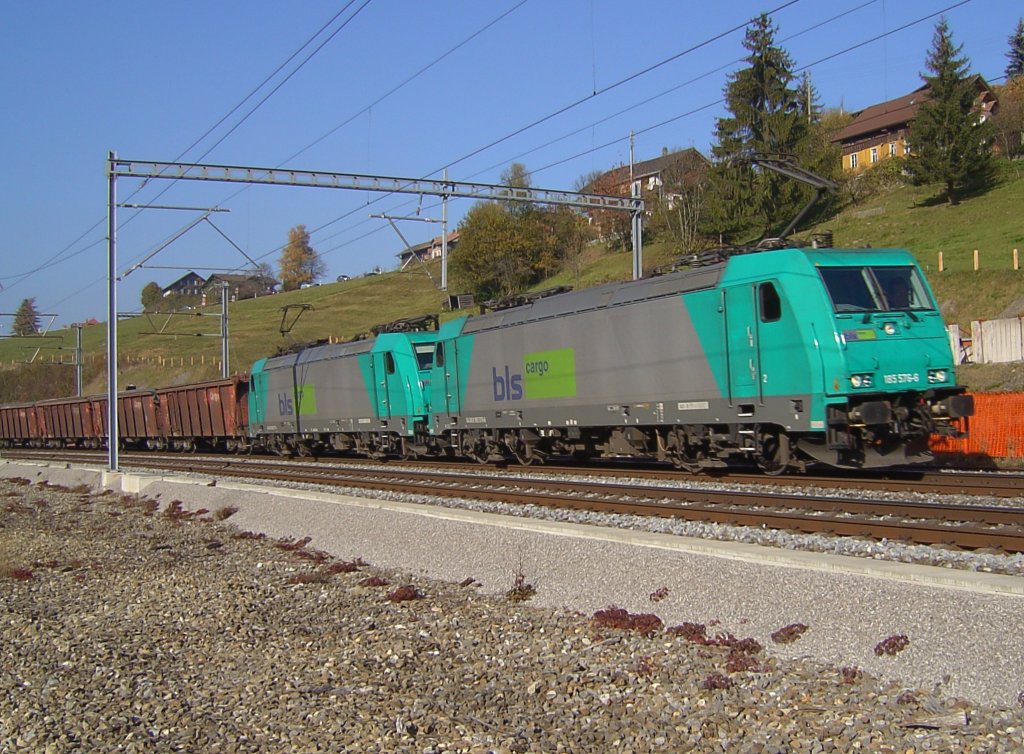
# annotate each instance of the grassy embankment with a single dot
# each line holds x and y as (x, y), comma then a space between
(906, 217)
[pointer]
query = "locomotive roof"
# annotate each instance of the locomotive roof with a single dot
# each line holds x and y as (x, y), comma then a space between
(317, 353)
(612, 294)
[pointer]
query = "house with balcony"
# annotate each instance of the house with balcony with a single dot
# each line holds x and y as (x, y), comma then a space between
(880, 132)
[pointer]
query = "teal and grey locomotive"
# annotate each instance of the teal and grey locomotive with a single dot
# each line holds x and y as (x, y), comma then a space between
(365, 396)
(779, 357)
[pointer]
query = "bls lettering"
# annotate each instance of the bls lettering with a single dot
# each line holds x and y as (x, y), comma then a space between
(285, 404)
(507, 387)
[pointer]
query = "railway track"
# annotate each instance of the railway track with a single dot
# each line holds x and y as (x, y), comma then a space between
(795, 508)
(906, 481)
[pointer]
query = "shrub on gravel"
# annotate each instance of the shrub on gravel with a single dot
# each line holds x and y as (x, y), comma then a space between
(521, 590)
(789, 634)
(617, 617)
(15, 573)
(347, 566)
(717, 681)
(658, 594)
(695, 632)
(405, 594)
(892, 646)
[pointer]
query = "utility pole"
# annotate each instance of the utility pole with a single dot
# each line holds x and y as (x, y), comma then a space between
(636, 219)
(631, 162)
(444, 237)
(78, 360)
(223, 329)
(112, 428)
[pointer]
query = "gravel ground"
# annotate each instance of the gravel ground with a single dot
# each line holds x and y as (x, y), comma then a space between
(163, 633)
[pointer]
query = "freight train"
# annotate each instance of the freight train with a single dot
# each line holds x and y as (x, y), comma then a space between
(781, 358)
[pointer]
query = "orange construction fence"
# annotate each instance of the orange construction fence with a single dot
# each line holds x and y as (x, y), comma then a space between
(996, 429)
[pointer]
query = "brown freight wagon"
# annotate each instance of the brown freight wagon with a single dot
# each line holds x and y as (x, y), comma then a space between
(213, 413)
(139, 419)
(19, 425)
(68, 421)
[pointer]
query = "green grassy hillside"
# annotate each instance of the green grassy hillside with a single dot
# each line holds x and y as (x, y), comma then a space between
(910, 218)
(906, 217)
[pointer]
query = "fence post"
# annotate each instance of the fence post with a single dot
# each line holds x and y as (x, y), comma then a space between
(941, 267)
(1016, 266)
(975, 260)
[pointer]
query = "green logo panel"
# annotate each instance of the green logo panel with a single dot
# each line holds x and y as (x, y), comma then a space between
(307, 400)
(550, 374)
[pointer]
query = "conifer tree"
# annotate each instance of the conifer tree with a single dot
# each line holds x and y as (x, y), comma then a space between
(948, 143)
(1016, 54)
(299, 261)
(767, 117)
(26, 319)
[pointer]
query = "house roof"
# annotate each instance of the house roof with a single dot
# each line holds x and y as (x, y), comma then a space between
(235, 278)
(453, 237)
(691, 158)
(898, 112)
(885, 115)
(668, 159)
(183, 278)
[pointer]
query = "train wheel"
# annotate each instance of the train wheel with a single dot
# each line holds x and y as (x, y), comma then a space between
(474, 445)
(773, 451)
(674, 448)
(519, 450)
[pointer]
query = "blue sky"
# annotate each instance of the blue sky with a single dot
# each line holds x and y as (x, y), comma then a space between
(380, 96)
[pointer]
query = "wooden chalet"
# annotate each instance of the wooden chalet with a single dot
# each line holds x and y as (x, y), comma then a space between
(879, 132)
(428, 250)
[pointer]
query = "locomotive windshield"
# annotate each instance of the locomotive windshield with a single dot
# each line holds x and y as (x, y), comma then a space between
(875, 289)
(424, 355)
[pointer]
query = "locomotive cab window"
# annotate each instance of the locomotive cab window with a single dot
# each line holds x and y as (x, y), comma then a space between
(389, 362)
(439, 355)
(875, 289)
(769, 303)
(424, 356)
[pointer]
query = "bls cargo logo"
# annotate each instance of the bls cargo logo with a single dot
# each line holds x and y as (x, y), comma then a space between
(307, 401)
(545, 374)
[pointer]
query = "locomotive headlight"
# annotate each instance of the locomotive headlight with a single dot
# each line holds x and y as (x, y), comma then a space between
(936, 375)
(860, 380)
(889, 328)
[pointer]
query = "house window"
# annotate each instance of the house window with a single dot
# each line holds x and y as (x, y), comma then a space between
(874, 155)
(892, 148)
(853, 160)
(906, 147)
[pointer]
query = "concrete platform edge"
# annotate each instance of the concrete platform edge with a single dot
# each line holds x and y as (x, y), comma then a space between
(944, 578)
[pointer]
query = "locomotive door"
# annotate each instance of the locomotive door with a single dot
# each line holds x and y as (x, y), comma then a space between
(383, 373)
(446, 359)
(258, 387)
(741, 335)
